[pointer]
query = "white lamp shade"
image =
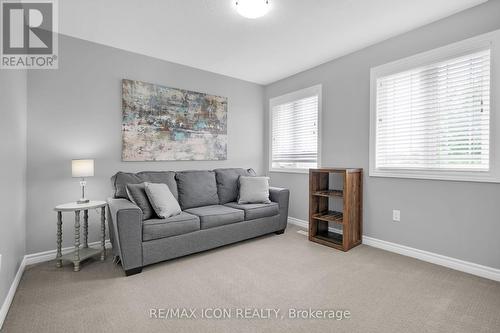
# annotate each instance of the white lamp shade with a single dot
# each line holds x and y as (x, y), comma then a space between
(82, 168)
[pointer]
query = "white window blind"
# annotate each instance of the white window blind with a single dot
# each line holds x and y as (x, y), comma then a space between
(294, 133)
(435, 117)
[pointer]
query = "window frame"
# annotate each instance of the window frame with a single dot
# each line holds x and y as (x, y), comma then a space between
(287, 98)
(490, 40)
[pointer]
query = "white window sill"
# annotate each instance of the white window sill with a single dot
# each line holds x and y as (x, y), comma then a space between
(483, 177)
(289, 170)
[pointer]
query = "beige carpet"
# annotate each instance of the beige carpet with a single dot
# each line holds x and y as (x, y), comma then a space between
(384, 292)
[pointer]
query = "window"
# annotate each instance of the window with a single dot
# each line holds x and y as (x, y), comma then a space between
(294, 128)
(431, 117)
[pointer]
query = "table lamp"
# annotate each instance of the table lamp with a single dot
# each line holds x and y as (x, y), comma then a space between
(82, 169)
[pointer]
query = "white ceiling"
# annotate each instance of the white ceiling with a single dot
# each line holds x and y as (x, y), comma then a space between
(208, 34)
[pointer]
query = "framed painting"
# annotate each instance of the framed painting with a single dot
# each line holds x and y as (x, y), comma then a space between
(169, 124)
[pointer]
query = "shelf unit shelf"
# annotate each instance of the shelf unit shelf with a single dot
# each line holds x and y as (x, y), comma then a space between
(320, 214)
(329, 193)
(330, 216)
(330, 237)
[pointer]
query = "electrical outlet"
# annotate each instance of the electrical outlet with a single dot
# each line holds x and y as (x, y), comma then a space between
(396, 215)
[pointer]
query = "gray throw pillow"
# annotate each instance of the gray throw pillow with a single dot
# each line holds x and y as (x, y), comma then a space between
(253, 190)
(137, 194)
(162, 200)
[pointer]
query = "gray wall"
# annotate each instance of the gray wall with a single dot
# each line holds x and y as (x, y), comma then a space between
(75, 112)
(13, 175)
(457, 219)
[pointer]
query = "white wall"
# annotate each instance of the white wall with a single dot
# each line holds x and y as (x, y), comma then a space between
(12, 175)
(456, 219)
(75, 112)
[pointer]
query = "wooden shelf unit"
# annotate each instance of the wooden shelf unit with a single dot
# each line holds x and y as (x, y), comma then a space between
(320, 214)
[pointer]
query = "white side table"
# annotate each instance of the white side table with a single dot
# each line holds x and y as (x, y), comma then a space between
(80, 254)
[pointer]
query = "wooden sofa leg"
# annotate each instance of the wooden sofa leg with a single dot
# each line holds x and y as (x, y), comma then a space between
(279, 232)
(133, 271)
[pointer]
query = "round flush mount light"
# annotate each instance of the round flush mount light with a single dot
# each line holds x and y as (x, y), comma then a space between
(252, 8)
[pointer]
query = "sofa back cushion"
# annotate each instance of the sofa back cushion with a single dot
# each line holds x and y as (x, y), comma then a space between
(227, 183)
(121, 179)
(196, 188)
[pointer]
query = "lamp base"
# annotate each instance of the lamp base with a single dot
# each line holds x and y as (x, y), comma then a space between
(83, 201)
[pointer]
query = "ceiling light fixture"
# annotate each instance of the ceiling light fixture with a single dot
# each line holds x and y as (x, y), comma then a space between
(252, 8)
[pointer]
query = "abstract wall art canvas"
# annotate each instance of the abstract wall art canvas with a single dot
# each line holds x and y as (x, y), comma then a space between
(167, 124)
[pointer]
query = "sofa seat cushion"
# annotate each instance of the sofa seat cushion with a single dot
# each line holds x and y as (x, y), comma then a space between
(217, 215)
(172, 226)
(256, 211)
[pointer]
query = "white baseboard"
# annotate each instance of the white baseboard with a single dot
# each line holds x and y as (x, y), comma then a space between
(36, 258)
(305, 225)
(12, 291)
(30, 259)
(434, 258)
(299, 223)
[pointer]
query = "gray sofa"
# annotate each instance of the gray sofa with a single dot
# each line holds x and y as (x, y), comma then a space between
(210, 216)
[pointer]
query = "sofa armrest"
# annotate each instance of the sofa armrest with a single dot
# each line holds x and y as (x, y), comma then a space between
(281, 196)
(125, 228)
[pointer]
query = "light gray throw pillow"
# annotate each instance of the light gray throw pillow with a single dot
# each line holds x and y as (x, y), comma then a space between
(253, 190)
(162, 200)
